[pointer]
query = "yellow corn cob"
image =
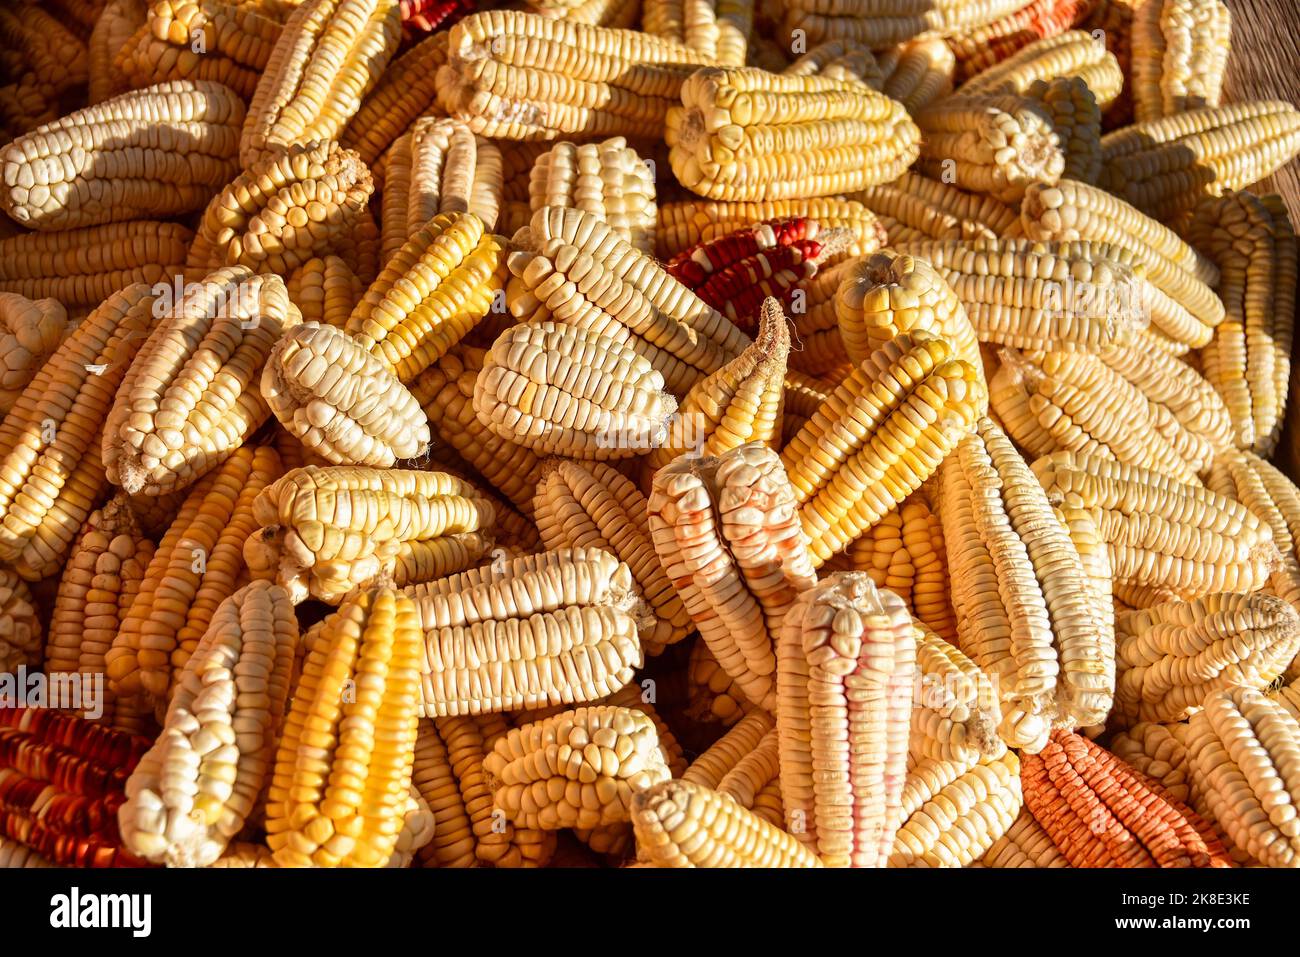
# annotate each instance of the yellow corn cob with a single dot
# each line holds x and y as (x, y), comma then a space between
(20, 625)
(195, 568)
(601, 13)
(846, 660)
(817, 348)
(716, 29)
(325, 531)
(994, 144)
(287, 208)
(882, 432)
(52, 63)
(30, 331)
(886, 295)
(1160, 752)
(1165, 166)
(328, 57)
(1076, 119)
(1288, 696)
(837, 60)
(438, 166)
(745, 134)
(917, 72)
(1071, 210)
(686, 224)
(83, 267)
(406, 91)
(1026, 613)
(803, 394)
(117, 23)
(1075, 53)
(680, 824)
(1160, 532)
(953, 814)
(446, 393)
(108, 163)
(227, 42)
(591, 505)
(979, 49)
(607, 179)
(50, 477)
(576, 271)
(418, 827)
(878, 23)
(938, 210)
(432, 776)
(540, 630)
(1172, 656)
(190, 398)
(714, 695)
(104, 573)
(728, 535)
(640, 697)
(1025, 844)
(1073, 400)
(1180, 54)
(341, 402)
(723, 756)
(520, 76)
(193, 790)
(155, 513)
(344, 765)
(1241, 747)
(325, 290)
(1076, 297)
(956, 713)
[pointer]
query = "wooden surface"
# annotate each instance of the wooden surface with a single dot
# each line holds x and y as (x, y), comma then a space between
(1264, 64)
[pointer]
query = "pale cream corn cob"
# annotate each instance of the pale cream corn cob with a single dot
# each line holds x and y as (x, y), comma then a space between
(1075, 53)
(721, 757)
(21, 634)
(1179, 56)
(118, 22)
(878, 23)
(1025, 844)
(30, 331)
(954, 813)
(1076, 118)
(717, 29)
(714, 696)
(917, 72)
(837, 60)
(601, 13)
(325, 290)
(607, 179)
(929, 208)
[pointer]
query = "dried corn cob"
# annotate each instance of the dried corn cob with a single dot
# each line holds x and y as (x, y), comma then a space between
(1025, 844)
(520, 76)
(803, 394)
(994, 144)
(83, 267)
(117, 24)
(1165, 166)
(1173, 656)
(13, 854)
(591, 505)
(104, 573)
(1179, 56)
(607, 179)
(723, 756)
(325, 290)
(344, 765)
(30, 331)
(61, 781)
(1241, 748)
(952, 814)
(1075, 53)
(1160, 752)
(727, 533)
(917, 72)
(879, 23)
(601, 13)
(937, 210)
(1076, 119)
(1161, 532)
(48, 481)
(686, 224)
(110, 162)
(52, 65)
(328, 57)
(714, 695)
(955, 712)
(1025, 609)
(433, 778)
(196, 567)
(836, 60)
(193, 790)
(977, 50)
(1101, 813)
(21, 642)
(417, 831)
(1288, 696)
(846, 659)
(716, 29)
(881, 434)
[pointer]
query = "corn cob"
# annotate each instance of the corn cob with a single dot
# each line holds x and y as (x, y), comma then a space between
(1025, 844)
(744, 134)
(1162, 533)
(1165, 167)
(13, 854)
(878, 23)
(1240, 747)
(108, 163)
(52, 65)
(1075, 53)
(883, 431)
(591, 505)
(432, 776)
(977, 50)
(228, 43)
(817, 349)
(952, 814)
(846, 658)
(284, 210)
(193, 790)
(715, 29)
(1076, 119)
(61, 782)
(1288, 696)
(420, 17)
(1160, 752)
(937, 210)
(601, 13)
(30, 331)
(714, 696)
(727, 533)
(418, 827)
(1025, 609)
(750, 778)
(446, 393)
(607, 179)
(803, 394)
(406, 91)
(725, 754)
(836, 60)
(344, 764)
(49, 483)
(917, 72)
(686, 224)
(886, 295)
(196, 567)
(83, 267)
(116, 25)
(21, 636)
(997, 145)
(1173, 656)
(520, 76)
(104, 573)
(1179, 56)
(330, 54)
(325, 290)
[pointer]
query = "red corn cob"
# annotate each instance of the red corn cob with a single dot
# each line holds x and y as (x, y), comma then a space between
(985, 46)
(420, 17)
